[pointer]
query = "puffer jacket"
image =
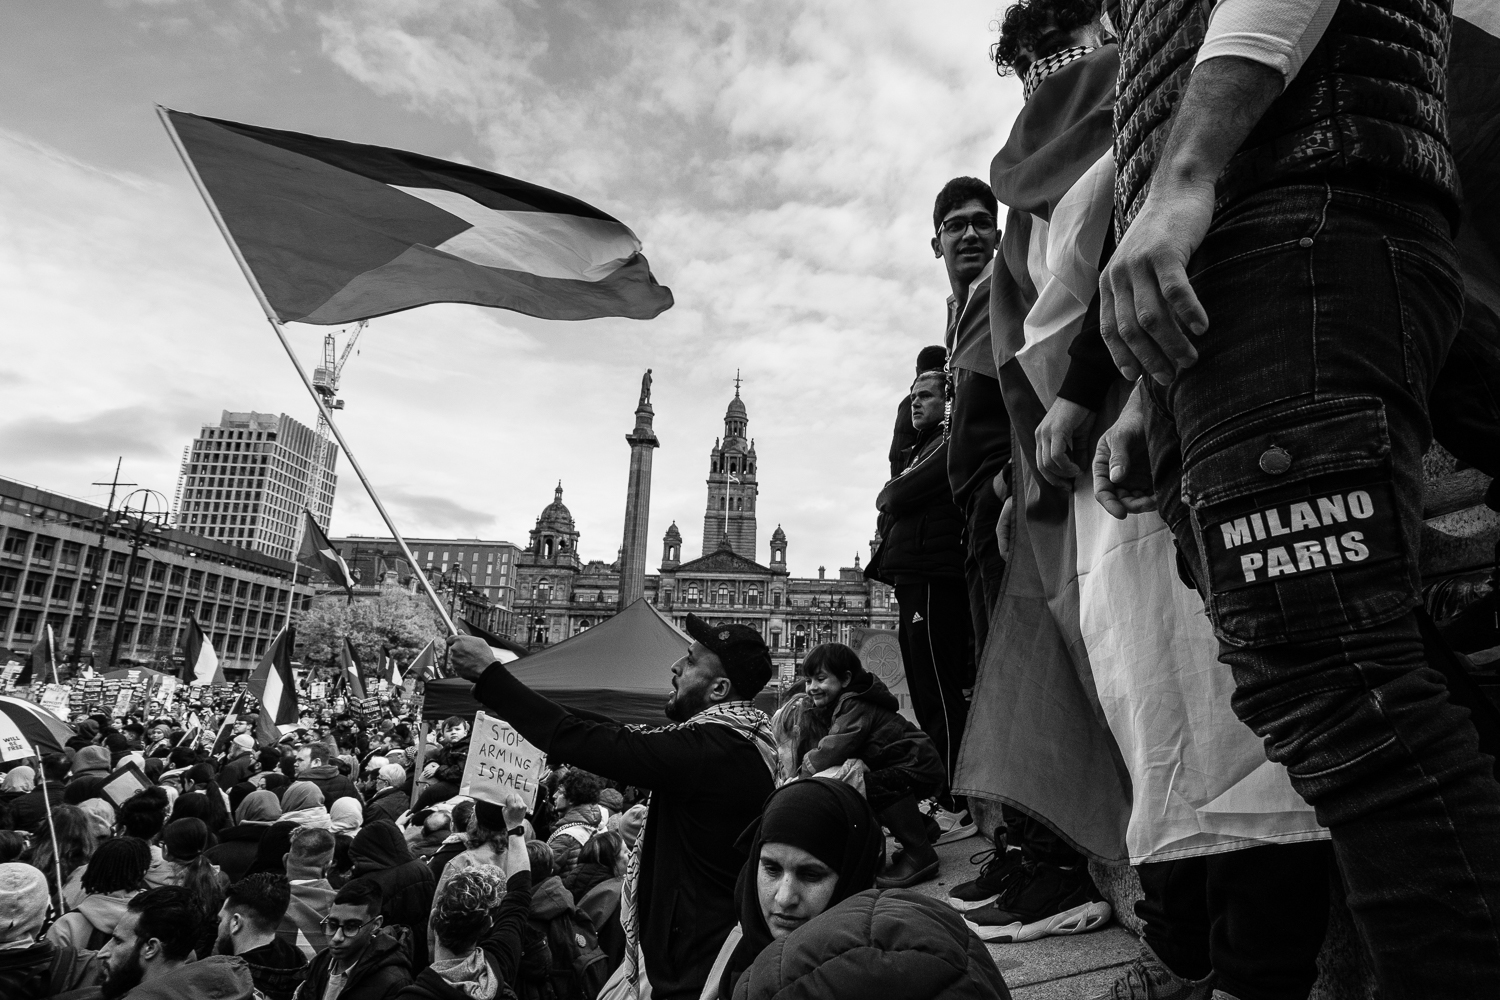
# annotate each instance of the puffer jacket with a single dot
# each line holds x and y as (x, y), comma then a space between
(865, 723)
(380, 853)
(578, 822)
(870, 941)
(921, 528)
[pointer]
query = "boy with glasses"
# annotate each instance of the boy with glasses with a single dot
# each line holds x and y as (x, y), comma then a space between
(363, 961)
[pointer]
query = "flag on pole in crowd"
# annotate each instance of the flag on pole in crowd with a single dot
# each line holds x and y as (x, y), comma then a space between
(318, 553)
(43, 657)
(425, 661)
(201, 659)
(336, 231)
(273, 689)
(392, 672)
(350, 674)
(226, 728)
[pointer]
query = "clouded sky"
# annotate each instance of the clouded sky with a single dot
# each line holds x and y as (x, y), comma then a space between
(778, 158)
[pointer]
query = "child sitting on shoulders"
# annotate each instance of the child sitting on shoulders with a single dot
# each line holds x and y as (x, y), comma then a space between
(849, 715)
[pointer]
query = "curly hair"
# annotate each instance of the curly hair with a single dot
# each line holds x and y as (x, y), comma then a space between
(461, 912)
(581, 788)
(1026, 21)
(119, 864)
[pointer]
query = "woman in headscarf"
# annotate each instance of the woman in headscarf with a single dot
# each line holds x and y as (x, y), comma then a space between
(816, 843)
(102, 815)
(346, 816)
(302, 804)
(237, 846)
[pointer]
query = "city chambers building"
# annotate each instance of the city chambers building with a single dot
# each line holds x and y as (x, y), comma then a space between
(559, 593)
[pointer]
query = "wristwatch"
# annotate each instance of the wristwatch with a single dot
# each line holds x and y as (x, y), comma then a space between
(516, 831)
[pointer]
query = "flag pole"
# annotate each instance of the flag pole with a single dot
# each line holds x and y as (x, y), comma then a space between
(323, 410)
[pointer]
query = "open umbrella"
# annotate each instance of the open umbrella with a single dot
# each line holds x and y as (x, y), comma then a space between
(28, 730)
(41, 729)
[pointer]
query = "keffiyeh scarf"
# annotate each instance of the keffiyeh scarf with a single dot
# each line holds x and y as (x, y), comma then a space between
(1047, 65)
(751, 723)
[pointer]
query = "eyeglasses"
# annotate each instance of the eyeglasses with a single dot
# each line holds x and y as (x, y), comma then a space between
(349, 927)
(983, 224)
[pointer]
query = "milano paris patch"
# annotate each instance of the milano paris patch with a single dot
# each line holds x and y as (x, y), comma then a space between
(1331, 531)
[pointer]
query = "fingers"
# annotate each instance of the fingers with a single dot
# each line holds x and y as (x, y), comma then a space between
(1109, 328)
(1183, 301)
(1005, 527)
(1104, 488)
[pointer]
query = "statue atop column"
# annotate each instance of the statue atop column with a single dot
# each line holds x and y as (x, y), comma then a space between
(645, 389)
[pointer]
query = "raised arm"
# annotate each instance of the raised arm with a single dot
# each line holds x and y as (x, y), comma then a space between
(666, 760)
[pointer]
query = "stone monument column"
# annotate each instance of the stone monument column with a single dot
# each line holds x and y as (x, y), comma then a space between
(642, 441)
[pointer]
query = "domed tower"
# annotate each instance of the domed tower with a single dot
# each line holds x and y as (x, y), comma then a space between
(778, 549)
(731, 484)
(671, 548)
(554, 540)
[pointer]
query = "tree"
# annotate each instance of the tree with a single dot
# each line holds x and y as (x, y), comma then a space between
(395, 622)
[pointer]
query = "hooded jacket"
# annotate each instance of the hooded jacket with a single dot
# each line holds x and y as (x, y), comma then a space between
(501, 949)
(865, 723)
(859, 947)
(237, 847)
(97, 912)
(380, 853)
(218, 977)
(921, 528)
(277, 968)
(333, 782)
(381, 972)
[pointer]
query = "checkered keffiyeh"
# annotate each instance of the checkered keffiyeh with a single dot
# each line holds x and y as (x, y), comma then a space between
(1047, 65)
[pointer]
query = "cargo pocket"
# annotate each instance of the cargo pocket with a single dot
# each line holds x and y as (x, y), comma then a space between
(1298, 525)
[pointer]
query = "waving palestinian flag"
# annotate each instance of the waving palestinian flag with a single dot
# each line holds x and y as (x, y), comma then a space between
(349, 671)
(337, 231)
(318, 553)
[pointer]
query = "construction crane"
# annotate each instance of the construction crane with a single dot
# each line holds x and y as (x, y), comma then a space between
(326, 382)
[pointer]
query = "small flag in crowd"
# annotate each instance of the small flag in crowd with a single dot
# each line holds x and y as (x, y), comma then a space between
(200, 656)
(337, 231)
(274, 688)
(43, 655)
(354, 684)
(226, 728)
(425, 660)
(318, 553)
(392, 671)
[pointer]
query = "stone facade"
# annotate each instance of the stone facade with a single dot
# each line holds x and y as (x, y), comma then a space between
(559, 594)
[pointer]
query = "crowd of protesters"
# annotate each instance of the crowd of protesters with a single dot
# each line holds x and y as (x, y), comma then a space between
(1220, 298)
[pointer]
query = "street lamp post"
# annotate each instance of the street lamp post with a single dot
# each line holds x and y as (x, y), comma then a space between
(142, 516)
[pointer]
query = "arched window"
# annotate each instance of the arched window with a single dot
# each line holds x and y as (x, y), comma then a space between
(544, 591)
(723, 503)
(752, 597)
(724, 594)
(693, 594)
(547, 547)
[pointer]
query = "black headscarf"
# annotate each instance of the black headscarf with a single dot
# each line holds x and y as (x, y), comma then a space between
(829, 820)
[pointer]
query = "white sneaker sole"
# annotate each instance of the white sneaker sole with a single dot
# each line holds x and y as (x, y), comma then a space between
(1079, 920)
(958, 833)
(963, 907)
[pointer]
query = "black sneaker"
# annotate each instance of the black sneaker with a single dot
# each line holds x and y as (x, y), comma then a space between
(903, 872)
(997, 865)
(1042, 901)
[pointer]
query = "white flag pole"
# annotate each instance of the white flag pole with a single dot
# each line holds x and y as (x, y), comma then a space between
(275, 322)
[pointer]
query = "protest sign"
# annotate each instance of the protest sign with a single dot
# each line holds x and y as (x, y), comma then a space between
(500, 761)
(124, 782)
(55, 699)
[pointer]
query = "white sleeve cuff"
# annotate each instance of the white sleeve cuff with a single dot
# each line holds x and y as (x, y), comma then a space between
(1275, 33)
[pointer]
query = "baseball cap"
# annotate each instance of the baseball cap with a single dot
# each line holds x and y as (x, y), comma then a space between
(741, 650)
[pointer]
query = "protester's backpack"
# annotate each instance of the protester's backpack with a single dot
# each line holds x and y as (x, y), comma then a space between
(579, 966)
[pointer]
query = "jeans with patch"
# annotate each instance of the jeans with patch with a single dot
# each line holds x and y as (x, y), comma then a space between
(1288, 464)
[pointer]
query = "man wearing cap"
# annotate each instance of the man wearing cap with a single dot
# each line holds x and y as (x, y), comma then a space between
(708, 774)
(241, 762)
